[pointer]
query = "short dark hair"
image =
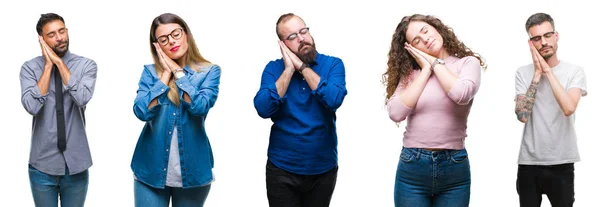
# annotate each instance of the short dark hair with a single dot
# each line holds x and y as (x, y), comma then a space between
(282, 18)
(537, 19)
(46, 18)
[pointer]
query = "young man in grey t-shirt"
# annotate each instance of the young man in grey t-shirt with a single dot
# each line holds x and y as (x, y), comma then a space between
(547, 93)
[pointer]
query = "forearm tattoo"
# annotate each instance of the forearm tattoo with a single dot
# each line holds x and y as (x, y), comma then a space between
(525, 102)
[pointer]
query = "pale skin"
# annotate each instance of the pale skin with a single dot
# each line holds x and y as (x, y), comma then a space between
(292, 63)
(169, 66)
(567, 100)
(413, 91)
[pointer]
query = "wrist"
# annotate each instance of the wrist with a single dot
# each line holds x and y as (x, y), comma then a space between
(302, 67)
(436, 62)
(178, 73)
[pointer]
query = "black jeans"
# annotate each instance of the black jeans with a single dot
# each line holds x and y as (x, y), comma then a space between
(556, 181)
(285, 189)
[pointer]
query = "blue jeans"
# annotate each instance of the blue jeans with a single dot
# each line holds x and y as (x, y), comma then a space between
(433, 178)
(46, 189)
(147, 196)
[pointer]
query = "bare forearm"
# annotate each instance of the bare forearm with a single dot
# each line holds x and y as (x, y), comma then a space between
(284, 81)
(524, 103)
(560, 94)
(44, 81)
(311, 78)
(165, 77)
(186, 97)
(413, 91)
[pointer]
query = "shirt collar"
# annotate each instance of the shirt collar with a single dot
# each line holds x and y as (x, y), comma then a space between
(68, 55)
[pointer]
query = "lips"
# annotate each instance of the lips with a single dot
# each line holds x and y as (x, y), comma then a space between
(430, 44)
(174, 49)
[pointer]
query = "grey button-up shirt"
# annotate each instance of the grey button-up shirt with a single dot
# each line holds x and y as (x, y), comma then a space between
(44, 154)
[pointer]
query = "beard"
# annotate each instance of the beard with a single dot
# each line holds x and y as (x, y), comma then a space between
(547, 55)
(61, 51)
(310, 56)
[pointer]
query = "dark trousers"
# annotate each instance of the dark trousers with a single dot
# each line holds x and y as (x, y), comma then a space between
(556, 181)
(285, 189)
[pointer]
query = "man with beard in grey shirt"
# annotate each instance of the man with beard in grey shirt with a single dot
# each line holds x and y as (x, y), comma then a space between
(55, 90)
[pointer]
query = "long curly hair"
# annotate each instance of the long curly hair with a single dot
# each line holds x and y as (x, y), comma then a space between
(401, 63)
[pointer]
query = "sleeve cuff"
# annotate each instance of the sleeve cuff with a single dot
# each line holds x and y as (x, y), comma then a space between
(322, 84)
(583, 90)
(158, 89)
(274, 94)
(37, 94)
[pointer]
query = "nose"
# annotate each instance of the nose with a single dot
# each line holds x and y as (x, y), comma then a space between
(544, 41)
(171, 39)
(301, 38)
(425, 39)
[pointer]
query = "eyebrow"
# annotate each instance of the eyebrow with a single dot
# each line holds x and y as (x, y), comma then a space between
(422, 28)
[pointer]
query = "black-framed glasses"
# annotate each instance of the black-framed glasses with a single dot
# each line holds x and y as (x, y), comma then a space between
(293, 36)
(539, 37)
(175, 34)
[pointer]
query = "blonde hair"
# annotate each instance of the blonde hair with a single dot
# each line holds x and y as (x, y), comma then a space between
(192, 55)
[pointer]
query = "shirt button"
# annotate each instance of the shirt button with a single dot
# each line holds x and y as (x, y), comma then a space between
(302, 78)
(303, 88)
(164, 169)
(180, 84)
(167, 150)
(174, 114)
(169, 132)
(162, 89)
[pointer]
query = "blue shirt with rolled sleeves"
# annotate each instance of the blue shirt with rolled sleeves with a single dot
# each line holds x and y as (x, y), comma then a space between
(303, 137)
(151, 155)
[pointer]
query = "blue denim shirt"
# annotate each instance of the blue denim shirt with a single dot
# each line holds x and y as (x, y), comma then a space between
(303, 137)
(151, 156)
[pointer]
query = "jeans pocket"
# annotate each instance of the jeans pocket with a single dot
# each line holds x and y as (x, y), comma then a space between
(459, 156)
(406, 156)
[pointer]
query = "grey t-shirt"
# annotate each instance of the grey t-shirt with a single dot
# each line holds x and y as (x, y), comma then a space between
(549, 136)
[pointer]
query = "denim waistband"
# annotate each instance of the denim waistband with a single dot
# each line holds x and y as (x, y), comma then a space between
(418, 152)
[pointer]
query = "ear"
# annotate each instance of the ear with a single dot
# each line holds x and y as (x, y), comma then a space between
(557, 36)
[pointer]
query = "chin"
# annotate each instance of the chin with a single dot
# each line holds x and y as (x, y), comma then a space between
(176, 56)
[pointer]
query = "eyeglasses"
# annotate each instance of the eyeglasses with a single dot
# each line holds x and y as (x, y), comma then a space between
(175, 34)
(293, 36)
(539, 37)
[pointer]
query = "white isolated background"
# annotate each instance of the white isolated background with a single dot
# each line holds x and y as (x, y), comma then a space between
(240, 37)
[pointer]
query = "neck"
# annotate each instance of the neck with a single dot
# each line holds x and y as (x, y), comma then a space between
(443, 54)
(552, 61)
(61, 54)
(181, 61)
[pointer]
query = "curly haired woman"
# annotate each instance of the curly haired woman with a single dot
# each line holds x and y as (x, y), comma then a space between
(431, 80)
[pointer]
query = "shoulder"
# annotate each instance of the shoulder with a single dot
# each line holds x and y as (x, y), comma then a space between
(464, 60)
(149, 68)
(209, 67)
(83, 59)
(34, 63)
(525, 69)
(570, 66)
(329, 58)
(274, 64)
